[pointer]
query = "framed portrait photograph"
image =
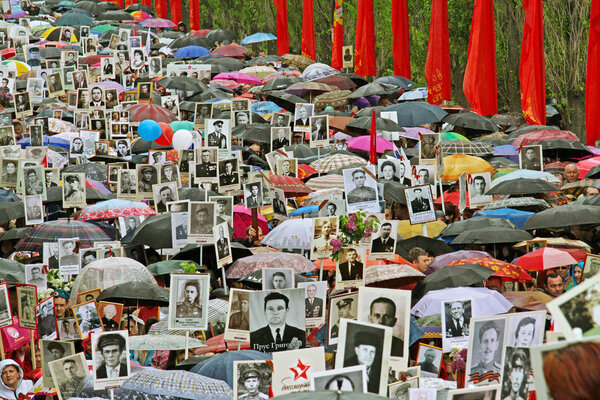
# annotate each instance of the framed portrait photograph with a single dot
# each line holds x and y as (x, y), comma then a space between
(287, 167)
(238, 322)
(202, 219)
(67, 329)
(490, 392)
(277, 278)
(123, 149)
(188, 301)
(324, 230)
(252, 379)
(456, 318)
(591, 266)
(302, 114)
(110, 315)
(240, 118)
(427, 146)
(9, 172)
(110, 352)
(280, 136)
(46, 320)
(479, 184)
(74, 190)
(399, 390)
(253, 195)
(223, 210)
(391, 308)
(206, 168)
(486, 345)
(222, 244)
(280, 119)
(319, 131)
(218, 134)
(340, 306)
(169, 173)
(23, 106)
(164, 193)
(144, 92)
(34, 275)
(314, 302)
(68, 259)
(88, 295)
(67, 373)
(350, 268)
(87, 319)
(516, 376)
(363, 343)
(26, 300)
(383, 242)
(34, 210)
(533, 245)
(419, 201)
(429, 359)
(279, 203)
(202, 112)
(349, 379)
(52, 350)
(55, 84)
(179, 227)
(360, 185)
(127, 184)
(112, 170)
(147, 177)
(271, 310)
(530, 157)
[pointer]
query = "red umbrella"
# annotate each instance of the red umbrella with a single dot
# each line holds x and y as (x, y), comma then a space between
(231, 50)
(452, 197)
(8, 53)
(242, 219)
(502, 269)
(545, 134)
(587, 164)
(91, 60)
(140, 112)
(546, 258)
(341, 82)
(292, 187)
(216, 344)
(201, 32)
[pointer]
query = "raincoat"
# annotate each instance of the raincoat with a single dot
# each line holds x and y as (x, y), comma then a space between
(24, 386)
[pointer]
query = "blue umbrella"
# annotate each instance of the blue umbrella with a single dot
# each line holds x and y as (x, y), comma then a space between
(258, 37)
(304, 210)
(191, 52)
(48, 141)
(8, 195)
(265, 107)
(220, 366)
(517, 217)
(508, 151)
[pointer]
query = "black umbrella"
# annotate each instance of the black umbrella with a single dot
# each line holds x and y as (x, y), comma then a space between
(501, 162)
(471, 120)
(210, 93)
(189, 41)
(567, 148)
(593, 173)
(112, 159)
(54, 195)
(593, 200)
(563, 216)
(231, 64)
(530, 128)
(192, 252)
(253, 132)
(453, 276)
(155, 232)
(280, 83)
(433, 246)
(266, 59)
(140, 7)
(492, 235)
(359, 80)
(136, 294)
(382, 124)
(93, 171)
(372, 89)
(172, 34)
(183, 83)
(459, 227)
(117, 15)
(522, 186)
(402, 82)
(11, 210)
(221, 35)
(416, 113)
(195, 194)
(332, 113)
(16, 233)
(393, 191)
(367, 111)
(285, 100)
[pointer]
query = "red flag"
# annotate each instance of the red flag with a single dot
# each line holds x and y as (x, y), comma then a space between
(337, 35)
(531, 70)
(365, 63)
(401, 44)
(161, 8)
(194, 15)
(373, 141)
(176, 11)
(480, 84)
(437, 66)
(592, 85)
(283, 35)
(308, 29)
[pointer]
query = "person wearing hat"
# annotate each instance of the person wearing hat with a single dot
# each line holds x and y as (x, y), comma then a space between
(61, 297)
(157, 157)
(277, 335)
(366, 352)
(239, 319)
(251, 380)
(217, 138)
(206, 168)
(516, 374)
(33, 57)
(74, 193)
(221, 213)
(344, 307)
(56, 351)
(148, 178)
(111, 346)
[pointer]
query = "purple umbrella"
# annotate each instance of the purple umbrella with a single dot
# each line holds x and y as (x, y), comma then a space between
(109, 85)
(15, 15)
(413, 132)
(239, 78)
(507, 151)
(158, 23)
(444, 259)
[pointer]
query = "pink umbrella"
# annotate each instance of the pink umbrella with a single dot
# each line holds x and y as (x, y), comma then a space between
(242, 219)
(158, 23)
(114, 208)
(545, 258)
(269, 259)
(109, 85)
(14, 337)
(239, 77)
(231, 50)
(362, 143)
(546, 134)
(587, 164)
(226, 83)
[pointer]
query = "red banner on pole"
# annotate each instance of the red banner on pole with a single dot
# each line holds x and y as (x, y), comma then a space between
(437, 66)
(531, 70)
(308, 29)
(283, 36)
(365, 63)
(592, 84)
(337, 35)
(194, 15)
(401, 39)
(480, 83)
(161, 8)
(373, 140)
(176, 11)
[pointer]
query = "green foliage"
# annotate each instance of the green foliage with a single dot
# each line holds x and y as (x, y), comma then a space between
(188, 268)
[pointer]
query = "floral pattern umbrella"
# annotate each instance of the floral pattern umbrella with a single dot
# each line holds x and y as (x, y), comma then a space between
(113, 209)
(502, 269)
(269, 259)
(386, 272)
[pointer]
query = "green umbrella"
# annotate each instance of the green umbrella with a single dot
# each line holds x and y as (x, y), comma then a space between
(104, 28)
(169, 266)
(492, 234)
(11, 271)
(453, 276)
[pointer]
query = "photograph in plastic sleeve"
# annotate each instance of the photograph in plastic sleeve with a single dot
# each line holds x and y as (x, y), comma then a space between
(74, 190)
(350, 379)
(34, 210)
(517, 380)
(363, 343)
(290, 372)
(391, 308)
(44, 313)
(277, 320)
(238, 323)
(110, 314)
(26, 301)
(206, 168)
(110, 357)
(350, 268)
(324, 230)
(487, 341)
(34, 275)
(188, 301)
(530, 157)
(179, 229)
(223, 245)
(360, 185)
(277, 278)
(455, 323)
(252, 380)
(279, 204)
(319, 131)
(201, 222)
(127, 184)
(302, 115)
(164, 193)
(427, 146)
(229, 175)
(87, 319)
(67, 374)
(420, 204)
(53, 350)
(314, 302)
(383, 242)
(429, 359)
(68, 259)
(340, 306)
(579, 308)
(147, 176)
(479, 184)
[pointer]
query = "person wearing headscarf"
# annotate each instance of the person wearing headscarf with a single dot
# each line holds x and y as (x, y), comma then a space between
(13, 384)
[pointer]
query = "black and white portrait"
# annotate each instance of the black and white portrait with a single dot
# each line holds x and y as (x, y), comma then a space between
(490, 392)
(319, 131)
(392, 170)
(279, 203)
(127, 183)
(429, 359)
(206, 168)
(350, 266)
(314, 302)
(252, 380)
(420, 204)
(202, 112)
(277, 278)
(360, 185)
(34, 211)
(155, 67)
(526, 329)
(88, 320)
(26, 301)
(340, 306)
(147, 176)
(485, 350)
(222, 244)
(241, 118)
(277, 320)
(123, 149)
(110, 357)
(169, 173)
(67, 374)
(324, 230)
(44, 313)
(287, 167)
(217, 134)
(530, 157)
(23, 106)
(253, 195)
(52, 350)
(280, 137)
(35, 87)
(68, 259)
(188, 301)
(383, 242)
(34, 275)
(201, 221)
(238, 323)
(427, 146)
(479, 184)
(333, 208)
(302, 114)
(423, 175)
(517, 370)
(74, 190)
(455, 321)
(349, 379)
(171, 103)
(7, 136)
(36, 135)
(280, 120)
(164, 193)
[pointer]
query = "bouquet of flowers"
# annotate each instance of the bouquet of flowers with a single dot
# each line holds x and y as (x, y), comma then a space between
(353, 228)
(458, 356)
(6, 99)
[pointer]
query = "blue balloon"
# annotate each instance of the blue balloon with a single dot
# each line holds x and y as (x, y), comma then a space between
(149, 130)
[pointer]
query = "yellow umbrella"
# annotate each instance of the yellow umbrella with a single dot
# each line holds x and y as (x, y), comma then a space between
(18, 66)
(55, 32)
(406, 230)
(456, 164)
(267, 211)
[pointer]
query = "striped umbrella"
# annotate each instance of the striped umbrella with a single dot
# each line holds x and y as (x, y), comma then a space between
(459, 146)
(336, 161)
(140, 112)
(53, 230)
(333, 181)
(113, 209)
(317, 197)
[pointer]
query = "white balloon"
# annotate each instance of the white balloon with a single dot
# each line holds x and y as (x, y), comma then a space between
(182, 139)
